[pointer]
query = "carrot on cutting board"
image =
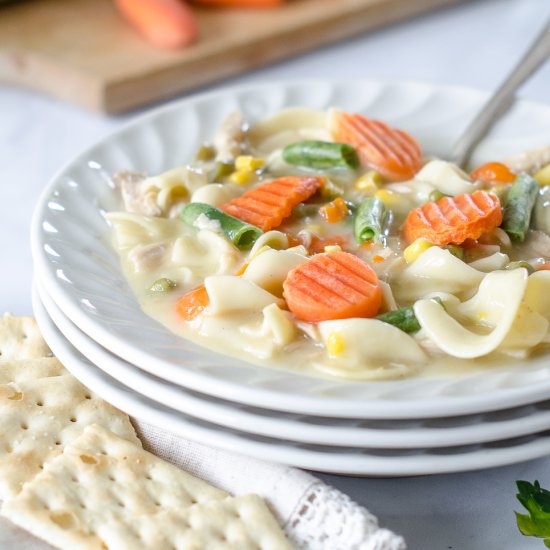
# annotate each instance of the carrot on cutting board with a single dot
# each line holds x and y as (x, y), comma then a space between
(165, 23)
(241, 3)
(452, 220)
(267, 205)
(390, 151)
(338, 285)
(493, 172)
(193, 303)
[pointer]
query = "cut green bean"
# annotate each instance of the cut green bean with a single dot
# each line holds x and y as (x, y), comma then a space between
(321, 155)
(404, 318)
(241, 234)
(161, 286)
(519, 206)
(369, 220)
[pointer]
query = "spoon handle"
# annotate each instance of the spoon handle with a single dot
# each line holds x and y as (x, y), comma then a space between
(502, 99)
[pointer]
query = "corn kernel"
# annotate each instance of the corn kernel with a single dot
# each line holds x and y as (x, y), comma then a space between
(246, 163)
(315, 228)
(333, 248)
(416, 248)
(335, 344)
(242, 178)
(369, 181)
(389, 198)
(543, 175)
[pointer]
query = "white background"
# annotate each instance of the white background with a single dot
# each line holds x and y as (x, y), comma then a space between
(473, 44)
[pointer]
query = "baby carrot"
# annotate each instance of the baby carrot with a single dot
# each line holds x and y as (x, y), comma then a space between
(193, 303)
(452, 220)
(165, 23)
(493, 172)
(268, 204)
(332, 286)
(391, 152)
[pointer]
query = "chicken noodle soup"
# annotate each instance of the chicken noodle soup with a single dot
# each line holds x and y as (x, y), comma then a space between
(326, 242)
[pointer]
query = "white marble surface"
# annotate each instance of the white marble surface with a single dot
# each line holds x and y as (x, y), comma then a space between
(473, 44)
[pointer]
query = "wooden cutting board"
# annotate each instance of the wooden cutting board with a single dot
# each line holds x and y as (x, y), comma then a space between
(84, 52)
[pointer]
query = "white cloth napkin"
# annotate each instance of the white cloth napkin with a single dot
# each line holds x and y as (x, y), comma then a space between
(314, 515)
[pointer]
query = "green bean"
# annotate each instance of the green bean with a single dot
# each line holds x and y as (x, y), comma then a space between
(161, 286)
(369, 220)
(520, 203)
(240, 233)
(321, 155)
(404, 318)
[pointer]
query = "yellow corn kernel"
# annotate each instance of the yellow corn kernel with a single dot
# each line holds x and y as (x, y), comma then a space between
(389, 198)
(242, 178)
(543, 175)
(335, 344)
(246, 163)
(333, 248)
(315, 228)
(370, 181)
(416, 248)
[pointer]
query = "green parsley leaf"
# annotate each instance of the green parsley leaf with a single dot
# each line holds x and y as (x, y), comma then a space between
(537, 502)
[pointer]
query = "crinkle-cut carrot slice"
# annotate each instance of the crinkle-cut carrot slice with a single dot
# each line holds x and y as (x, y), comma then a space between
(452, 220)
(193, 303)
(338, 285)
(267, 205)
(390, 151)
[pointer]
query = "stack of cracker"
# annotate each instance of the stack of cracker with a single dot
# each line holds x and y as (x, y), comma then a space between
(74, 473)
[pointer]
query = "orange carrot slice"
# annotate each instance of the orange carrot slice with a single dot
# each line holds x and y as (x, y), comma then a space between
(192, 303)
(392, 152)
(268, 204)
(544, 267)
(493, 172)
(165, 23)
(241, 3)
(452, 220)
(332, 286)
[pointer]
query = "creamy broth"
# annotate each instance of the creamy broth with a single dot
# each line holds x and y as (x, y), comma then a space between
(474, 306)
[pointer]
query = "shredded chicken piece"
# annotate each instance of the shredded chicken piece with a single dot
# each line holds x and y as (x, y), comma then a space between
(529, 161)
(230, 138)
(135, 200)
(147, 256)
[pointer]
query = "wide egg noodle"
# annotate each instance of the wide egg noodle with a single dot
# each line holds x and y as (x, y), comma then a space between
(370, 349)
(205, 253)
(436, 270)
(495, 305)
(270, 268)
(273, 239)
(131, 229)
(288, 126)
(446, 177)
(216, 194)
(173, 187)
(229, 293)
(494, 262)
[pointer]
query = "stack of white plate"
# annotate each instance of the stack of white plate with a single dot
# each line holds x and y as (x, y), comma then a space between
(94, 325)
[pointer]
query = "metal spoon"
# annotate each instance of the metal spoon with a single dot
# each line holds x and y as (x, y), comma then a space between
(502, 98)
